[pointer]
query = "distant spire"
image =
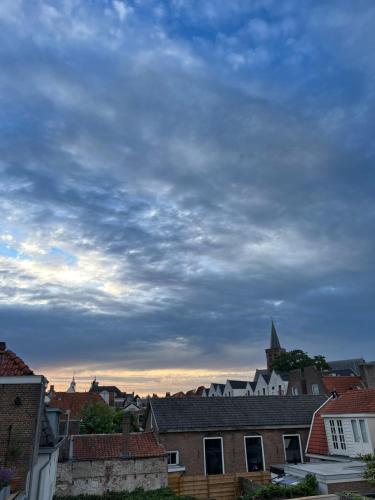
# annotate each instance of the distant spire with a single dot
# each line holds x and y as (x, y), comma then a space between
(72, 386)
(275, 343)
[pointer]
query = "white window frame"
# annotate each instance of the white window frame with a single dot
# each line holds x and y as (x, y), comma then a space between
(177, 456)
(222, 452)
(300, 445)
(315, 389)
(261, 440)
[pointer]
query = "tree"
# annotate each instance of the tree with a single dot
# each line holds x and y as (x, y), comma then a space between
(369, 473)
(97, 418)
(292, 360)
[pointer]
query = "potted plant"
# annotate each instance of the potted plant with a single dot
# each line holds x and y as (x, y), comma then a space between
(5, 480)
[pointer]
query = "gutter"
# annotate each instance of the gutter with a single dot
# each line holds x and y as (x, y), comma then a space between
(312, 421)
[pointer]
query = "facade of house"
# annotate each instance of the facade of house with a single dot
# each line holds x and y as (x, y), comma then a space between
(29, 443)
(98, 463)
(230, 435)
(235, 388)
(342, 429)
(216, 390)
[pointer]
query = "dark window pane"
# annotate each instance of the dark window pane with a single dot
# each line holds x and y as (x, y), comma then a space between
(254, 454)
(292, 449)
(214, 459)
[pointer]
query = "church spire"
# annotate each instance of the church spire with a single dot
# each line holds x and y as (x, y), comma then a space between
(275, 343)
(275, 348)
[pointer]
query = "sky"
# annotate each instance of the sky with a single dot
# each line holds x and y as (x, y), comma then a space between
(174, 174)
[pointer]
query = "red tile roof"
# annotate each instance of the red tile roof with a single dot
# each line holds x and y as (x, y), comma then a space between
(108, 446)
(11, 365)
(74, 401)
(360, 401)
(318, 440)
(342, 384)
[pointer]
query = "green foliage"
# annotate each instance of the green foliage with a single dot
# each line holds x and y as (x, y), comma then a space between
(97, 418)
(292, 360)
(138, 494)
(118, 417)
(307, 487)
(369, 473)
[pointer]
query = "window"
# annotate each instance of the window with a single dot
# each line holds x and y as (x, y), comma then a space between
(337, 434)
(213, 455)
(315, 389)
(341, 435)
(292, 448)
(355, 431)
(362, 426)
(254, 453)
(280, 390)
(173, 457)
(334, 434)
(264, 391)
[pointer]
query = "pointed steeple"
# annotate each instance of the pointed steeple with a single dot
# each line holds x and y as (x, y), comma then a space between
(275, 343)
(72, 387)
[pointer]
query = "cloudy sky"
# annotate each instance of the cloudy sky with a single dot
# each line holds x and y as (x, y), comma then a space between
(174, 173)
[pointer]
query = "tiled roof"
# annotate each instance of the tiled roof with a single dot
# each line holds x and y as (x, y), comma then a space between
(318, 440)
(108, 388)
(234, 413)
(360, 401)
(12, 365)
(108, 446)
(342, 384)
(74, 401)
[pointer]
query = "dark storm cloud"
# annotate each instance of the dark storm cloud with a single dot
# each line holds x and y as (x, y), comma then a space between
(173, 176)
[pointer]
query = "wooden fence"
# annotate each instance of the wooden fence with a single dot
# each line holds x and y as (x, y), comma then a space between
(215, 487)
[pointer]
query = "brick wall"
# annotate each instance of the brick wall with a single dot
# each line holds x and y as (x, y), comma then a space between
(19, 427)
(361, 487)
(190, 447)
(99, 476)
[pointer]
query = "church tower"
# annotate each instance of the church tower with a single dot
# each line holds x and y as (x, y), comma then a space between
(72, 387)
(275, 348)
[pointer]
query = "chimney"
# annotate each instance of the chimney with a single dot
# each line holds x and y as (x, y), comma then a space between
(51, 389)
(126, 423)
(167, 394)
(3, 347)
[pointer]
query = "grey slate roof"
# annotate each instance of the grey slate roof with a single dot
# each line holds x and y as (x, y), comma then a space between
(347, 364)
(238, 384)
(259, 372)
(177, 415)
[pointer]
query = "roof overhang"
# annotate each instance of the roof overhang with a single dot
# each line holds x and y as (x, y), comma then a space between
(23, 379)
(348, 415)
(239, 428)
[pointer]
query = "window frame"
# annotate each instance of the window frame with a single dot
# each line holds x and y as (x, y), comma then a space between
(177, 457)
(222, 454)
(261, 441)
(300, 446)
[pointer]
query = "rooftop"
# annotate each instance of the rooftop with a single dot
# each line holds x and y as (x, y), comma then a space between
(12, 365)
(342, 384)
(177, 415)
(107, 446)
(74, 401)
(360, 401)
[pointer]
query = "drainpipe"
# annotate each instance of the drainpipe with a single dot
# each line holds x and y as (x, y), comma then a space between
(40, 477)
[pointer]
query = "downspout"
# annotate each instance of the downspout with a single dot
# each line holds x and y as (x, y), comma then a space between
(40, 476)
(36, 437)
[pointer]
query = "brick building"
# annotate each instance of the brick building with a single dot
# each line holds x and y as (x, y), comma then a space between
(229, 435)
(28, 433)
(98, 463)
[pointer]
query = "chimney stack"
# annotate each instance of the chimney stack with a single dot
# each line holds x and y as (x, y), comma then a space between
(126, 424)
(3, 347)
(51, 389)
